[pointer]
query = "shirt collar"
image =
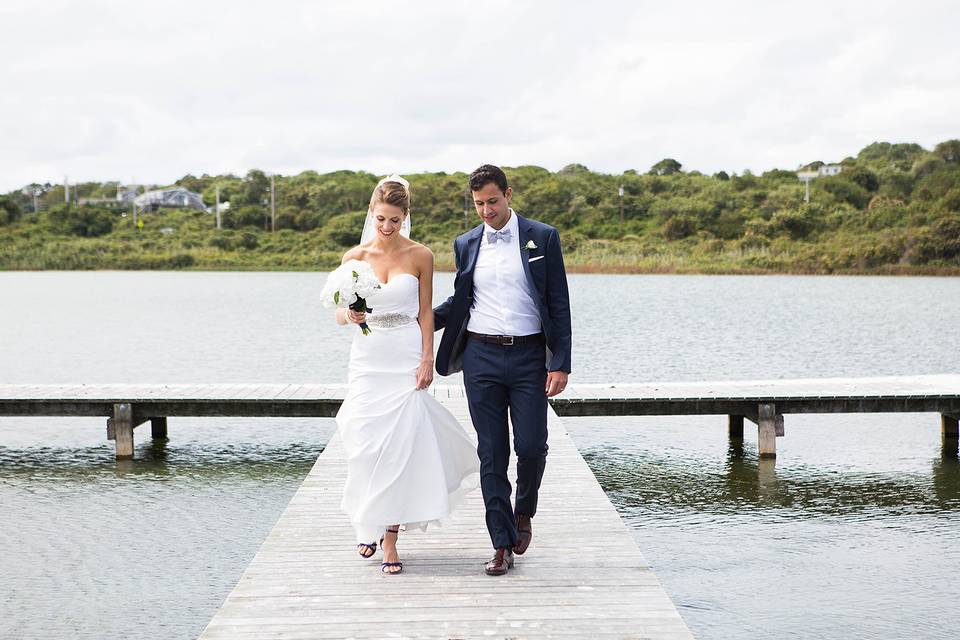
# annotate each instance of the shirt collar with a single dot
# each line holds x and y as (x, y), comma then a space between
(512, 224)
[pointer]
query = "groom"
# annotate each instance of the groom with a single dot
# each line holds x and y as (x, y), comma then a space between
(508, 330)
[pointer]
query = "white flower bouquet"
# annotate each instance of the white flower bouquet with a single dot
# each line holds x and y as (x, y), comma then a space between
(348, 287)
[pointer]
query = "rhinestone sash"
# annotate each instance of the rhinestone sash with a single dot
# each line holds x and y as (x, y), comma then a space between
(389, 320)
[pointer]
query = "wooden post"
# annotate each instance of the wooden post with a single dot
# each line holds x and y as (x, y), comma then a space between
(767, 430)
(950, 434)
(735, 427)
(123, 430)
(158, 428)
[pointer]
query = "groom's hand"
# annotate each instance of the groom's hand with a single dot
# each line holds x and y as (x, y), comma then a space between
(556, 382)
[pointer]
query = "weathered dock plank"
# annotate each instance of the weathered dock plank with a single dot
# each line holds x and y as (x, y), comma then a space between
(583, 576)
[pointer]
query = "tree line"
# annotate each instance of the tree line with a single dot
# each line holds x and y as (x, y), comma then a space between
(892, 204)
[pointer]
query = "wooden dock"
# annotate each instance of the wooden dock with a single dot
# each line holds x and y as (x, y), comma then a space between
(764, 402)
(583, 576)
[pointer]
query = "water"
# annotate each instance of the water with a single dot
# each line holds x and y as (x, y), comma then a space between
(852, 533)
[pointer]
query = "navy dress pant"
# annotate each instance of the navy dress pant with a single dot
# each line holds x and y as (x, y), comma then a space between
(501, 379)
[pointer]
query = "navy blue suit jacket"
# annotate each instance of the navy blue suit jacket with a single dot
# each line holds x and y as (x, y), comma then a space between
(548, 283)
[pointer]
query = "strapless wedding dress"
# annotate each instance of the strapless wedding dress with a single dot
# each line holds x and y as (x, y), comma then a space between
(409, 461)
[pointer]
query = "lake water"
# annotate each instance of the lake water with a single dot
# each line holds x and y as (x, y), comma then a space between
(853, 533)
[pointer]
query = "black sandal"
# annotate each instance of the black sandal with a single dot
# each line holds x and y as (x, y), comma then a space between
(367, 550)
(384, 566)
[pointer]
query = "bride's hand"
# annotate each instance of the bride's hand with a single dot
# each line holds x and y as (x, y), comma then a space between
(354, 317)
(424, 374)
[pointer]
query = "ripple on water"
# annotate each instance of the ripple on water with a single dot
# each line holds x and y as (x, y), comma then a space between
(839, 550)
(171, 531)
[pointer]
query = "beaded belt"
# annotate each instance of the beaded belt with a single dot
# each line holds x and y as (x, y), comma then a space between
(389, 320)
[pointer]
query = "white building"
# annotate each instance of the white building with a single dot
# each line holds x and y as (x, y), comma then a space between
(823, 170)
(178, 197)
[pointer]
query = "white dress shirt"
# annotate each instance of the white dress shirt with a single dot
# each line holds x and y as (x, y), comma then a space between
(502, 301)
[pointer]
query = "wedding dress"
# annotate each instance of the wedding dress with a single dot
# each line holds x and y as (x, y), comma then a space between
(409, 461)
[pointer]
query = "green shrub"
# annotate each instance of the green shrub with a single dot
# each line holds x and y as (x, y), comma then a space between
(679, 227)
(796, 223)
(87, 222)
(941, 241)
(344, 230)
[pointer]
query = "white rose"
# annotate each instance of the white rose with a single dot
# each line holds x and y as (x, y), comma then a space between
(330, 287)
(347, 296)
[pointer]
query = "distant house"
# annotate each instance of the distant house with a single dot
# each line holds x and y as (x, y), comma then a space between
(126, 193)
(177, 197)
(822, 170)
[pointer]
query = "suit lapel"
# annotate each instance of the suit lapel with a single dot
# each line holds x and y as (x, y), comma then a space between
(473, 249)
(526, 229)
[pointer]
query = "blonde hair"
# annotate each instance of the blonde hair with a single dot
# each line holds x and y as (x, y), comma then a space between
(392, 193)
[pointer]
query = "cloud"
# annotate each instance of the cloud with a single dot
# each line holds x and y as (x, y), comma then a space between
(109, 90)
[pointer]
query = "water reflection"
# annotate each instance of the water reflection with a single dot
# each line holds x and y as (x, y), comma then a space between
(650, 481)
(154, 461)
(84, 525)
(946, 478)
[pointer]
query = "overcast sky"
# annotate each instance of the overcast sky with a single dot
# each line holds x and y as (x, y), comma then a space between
(152, 91)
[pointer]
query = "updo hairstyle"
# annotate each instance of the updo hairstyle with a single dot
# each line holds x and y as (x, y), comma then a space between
(392, 193)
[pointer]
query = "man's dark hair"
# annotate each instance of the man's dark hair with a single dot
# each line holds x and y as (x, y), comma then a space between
(486, 174)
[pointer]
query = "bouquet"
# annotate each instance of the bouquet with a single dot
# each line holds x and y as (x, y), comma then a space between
(349, 286)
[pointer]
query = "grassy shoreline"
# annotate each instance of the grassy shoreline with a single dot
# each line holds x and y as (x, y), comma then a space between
(679, 265)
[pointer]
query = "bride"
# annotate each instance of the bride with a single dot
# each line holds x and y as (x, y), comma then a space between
(408, 459)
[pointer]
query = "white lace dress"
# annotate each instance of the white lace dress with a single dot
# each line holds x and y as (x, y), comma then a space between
(409, 461)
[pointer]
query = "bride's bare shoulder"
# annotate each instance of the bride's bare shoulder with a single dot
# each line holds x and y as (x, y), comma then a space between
(422, 256)
(359, 252)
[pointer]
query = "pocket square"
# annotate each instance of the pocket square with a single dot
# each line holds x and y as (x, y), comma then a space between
(535, 259)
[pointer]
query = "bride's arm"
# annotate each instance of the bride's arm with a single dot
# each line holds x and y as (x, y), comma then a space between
(425, 370)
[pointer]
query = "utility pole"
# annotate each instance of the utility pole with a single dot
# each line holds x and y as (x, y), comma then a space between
(805, 177)
(218, 206)
(621, 210)
(466, 207)
(273, 204)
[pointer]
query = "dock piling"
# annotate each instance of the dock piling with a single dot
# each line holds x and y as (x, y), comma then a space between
(123, 430)
(158, 428)
(950, 433)
(735, 427)
(767, 429)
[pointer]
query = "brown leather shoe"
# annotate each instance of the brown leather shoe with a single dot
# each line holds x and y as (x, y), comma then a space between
(501, 561)
(524, 534)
